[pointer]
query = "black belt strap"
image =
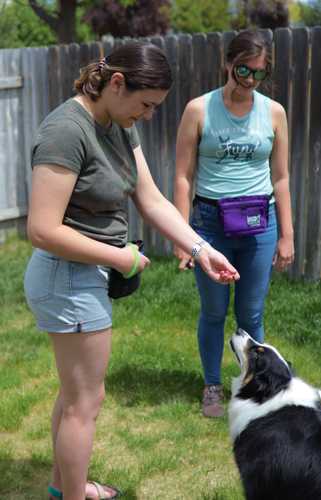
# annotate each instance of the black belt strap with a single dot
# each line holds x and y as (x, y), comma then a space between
(209, 201)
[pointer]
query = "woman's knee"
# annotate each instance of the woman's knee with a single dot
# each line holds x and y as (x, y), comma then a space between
(214, 316)
(86, 406)
(250, 321)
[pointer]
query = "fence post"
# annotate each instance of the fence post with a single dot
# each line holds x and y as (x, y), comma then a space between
(299, 146)
(313, 242)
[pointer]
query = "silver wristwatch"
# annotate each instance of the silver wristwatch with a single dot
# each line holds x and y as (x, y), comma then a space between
(197, 248)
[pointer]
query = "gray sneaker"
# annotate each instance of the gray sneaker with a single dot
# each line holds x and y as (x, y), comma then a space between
(213, 401)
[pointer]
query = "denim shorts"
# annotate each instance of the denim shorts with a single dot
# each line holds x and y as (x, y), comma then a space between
(67, 296)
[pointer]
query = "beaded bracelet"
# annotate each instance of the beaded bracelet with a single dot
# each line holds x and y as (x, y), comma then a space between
(135, 266)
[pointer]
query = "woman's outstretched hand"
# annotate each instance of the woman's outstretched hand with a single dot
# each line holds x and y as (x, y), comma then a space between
(212, 262)
(216, 265)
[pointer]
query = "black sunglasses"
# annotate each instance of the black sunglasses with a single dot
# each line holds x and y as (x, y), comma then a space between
(243, 71)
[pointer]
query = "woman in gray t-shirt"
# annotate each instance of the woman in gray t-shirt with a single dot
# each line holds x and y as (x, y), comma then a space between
(86, 162)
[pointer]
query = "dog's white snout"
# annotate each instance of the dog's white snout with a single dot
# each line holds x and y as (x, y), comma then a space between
(242, 333)
(239, 343)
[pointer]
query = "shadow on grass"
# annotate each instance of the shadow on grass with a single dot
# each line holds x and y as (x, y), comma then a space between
(134, 385)
(28, 480)
(24, 479)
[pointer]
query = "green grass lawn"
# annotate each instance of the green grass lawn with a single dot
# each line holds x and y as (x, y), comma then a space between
(151, 439)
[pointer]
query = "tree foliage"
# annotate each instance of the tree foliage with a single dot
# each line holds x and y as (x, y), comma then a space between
(40, 24)
(202, 16)
(270, 14)
(62, 19)
(134, 18)
(310, 14)
(20, 27)
(45, 22)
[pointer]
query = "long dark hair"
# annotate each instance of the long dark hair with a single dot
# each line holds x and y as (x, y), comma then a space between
(144, 66)
(248, 44)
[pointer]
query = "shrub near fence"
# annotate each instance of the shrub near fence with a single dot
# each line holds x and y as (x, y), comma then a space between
(35, 80)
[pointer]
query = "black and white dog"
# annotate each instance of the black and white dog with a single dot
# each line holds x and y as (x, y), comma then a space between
(275, 425)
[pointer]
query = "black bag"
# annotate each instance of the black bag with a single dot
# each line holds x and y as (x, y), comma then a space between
(118, 286)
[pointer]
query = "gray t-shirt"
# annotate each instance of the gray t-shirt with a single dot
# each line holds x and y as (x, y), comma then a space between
(106, 167)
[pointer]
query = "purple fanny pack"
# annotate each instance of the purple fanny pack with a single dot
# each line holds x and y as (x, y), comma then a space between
(244, 215)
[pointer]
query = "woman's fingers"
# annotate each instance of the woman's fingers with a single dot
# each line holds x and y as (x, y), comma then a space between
(218, 267)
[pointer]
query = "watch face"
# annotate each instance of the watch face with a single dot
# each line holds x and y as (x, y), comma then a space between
(196, 250)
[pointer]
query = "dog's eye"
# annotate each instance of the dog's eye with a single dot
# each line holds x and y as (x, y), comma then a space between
(256, 352)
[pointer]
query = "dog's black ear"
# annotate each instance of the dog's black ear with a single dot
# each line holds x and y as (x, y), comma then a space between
(292, 370)
(262, 361)
(258, 362)
(274, 375)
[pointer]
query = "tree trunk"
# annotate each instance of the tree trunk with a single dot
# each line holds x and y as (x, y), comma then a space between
(66, 31)
(246, 11)
(62, 22)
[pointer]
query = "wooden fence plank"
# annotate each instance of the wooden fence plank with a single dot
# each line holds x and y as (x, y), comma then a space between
(266, 87)
(172, 121)
(65, 73)
(161, 155)
(173, 110)
(84, 55)
(313, 242)
(108, 47)
(12, 186)
(69, 68)
(198, 83)
(215, 60)
(96, 51)
(146, 136)
(146, 132)
(299, 144)
(29, 125)
(282, 39)
(13, 192)
(35, 99)
(226, 40)
(54, 77)
(185, 61)
(74, 65)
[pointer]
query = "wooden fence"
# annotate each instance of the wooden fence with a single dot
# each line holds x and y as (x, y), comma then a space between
(33, 81)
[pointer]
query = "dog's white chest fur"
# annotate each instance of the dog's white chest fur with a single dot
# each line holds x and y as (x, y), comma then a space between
(243, 411)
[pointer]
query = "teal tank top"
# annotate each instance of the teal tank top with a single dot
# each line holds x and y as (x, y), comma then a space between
(234, 152)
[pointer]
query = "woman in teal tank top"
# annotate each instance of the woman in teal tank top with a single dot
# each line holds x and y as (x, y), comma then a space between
(233, 142)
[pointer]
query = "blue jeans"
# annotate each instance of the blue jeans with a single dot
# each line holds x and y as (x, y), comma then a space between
(252, 256)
